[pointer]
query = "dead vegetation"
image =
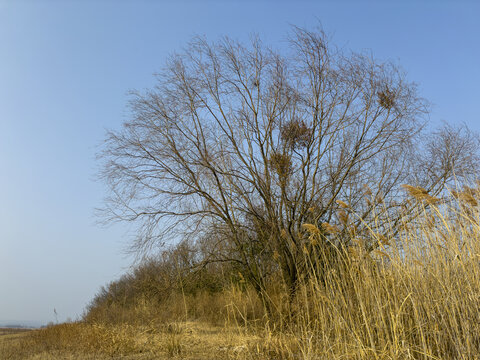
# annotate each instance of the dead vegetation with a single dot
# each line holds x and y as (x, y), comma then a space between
(416, 296)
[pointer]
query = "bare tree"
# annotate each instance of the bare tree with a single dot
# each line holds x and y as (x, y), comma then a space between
(243, 145)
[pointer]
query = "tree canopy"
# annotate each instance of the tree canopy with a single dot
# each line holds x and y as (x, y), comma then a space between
(242, 148)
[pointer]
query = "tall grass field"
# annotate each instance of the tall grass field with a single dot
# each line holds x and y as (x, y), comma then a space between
(416, 295)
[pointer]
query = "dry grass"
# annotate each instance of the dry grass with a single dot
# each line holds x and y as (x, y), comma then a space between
(416, 298)
(185, 340)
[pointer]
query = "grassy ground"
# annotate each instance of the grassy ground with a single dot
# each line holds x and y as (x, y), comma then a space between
(8, 334)
(415, 297)
(189, 340)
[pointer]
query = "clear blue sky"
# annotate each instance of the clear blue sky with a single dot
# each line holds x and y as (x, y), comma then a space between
(65, 70)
